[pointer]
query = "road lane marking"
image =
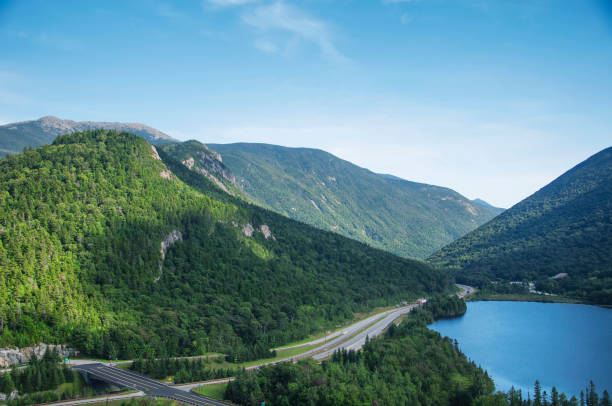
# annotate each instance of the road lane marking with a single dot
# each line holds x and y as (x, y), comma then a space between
(122, 378)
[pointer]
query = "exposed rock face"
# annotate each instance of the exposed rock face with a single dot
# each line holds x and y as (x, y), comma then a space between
(265, 230)
(166, 174)
(155, 154)
(248, 229)
(10, 396)
(167, 242)
(189, 162)
(210, 163)
(13, 356)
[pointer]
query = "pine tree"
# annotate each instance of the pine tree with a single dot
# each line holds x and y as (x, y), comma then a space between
(605, 399)
(592, 397)
(537, 394)
(7, 385)
(554, 397)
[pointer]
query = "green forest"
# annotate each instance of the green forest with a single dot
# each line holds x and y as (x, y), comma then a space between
(82, 263)
(564, 228)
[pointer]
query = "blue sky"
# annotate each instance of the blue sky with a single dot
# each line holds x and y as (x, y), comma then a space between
(491, 98)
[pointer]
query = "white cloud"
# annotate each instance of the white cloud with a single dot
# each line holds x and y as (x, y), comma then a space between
(288, 19)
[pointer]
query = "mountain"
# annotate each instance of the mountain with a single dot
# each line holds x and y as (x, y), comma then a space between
(565, 227)
(482, 203)
(15, 137)
(406, 218)
(115, 248)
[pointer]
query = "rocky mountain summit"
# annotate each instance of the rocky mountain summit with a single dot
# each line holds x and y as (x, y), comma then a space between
(14, 137)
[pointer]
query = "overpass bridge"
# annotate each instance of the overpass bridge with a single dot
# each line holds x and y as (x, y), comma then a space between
(128, 379)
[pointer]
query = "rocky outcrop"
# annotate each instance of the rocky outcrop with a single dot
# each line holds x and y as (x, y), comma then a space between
(189, 162)
(210, 163)
(265, 230)
(155, 153)
(14, 356)
(248, 229)
(166, 243)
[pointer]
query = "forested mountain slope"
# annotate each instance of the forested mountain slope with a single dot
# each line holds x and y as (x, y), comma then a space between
(406, 218)
(14, 137)
(566, 227)
(107, 248)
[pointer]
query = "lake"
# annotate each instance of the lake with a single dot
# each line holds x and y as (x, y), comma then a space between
(562, 345)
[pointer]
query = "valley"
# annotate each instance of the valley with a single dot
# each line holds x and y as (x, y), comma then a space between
(305, 203)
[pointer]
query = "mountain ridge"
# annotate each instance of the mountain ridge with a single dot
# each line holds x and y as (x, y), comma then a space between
(311, 185)
(565, 227)
(14, 137)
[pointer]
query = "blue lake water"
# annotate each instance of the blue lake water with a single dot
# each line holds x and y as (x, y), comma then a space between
(562, 345)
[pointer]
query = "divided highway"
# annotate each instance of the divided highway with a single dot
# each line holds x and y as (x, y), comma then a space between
(374, 330)
(151, 387)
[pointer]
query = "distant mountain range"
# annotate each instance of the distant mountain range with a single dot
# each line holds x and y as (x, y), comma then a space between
(15, 137)
(564, 228)
(407, 218)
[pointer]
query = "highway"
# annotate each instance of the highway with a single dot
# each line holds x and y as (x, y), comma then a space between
(358, 340)
(149, 386)
(346, 331)
(465, 290)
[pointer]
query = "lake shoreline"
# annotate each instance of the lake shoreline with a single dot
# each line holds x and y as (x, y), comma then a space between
(509, 297)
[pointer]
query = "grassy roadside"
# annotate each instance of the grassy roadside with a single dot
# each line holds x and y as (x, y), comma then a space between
(291, 352)
(215, 391)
